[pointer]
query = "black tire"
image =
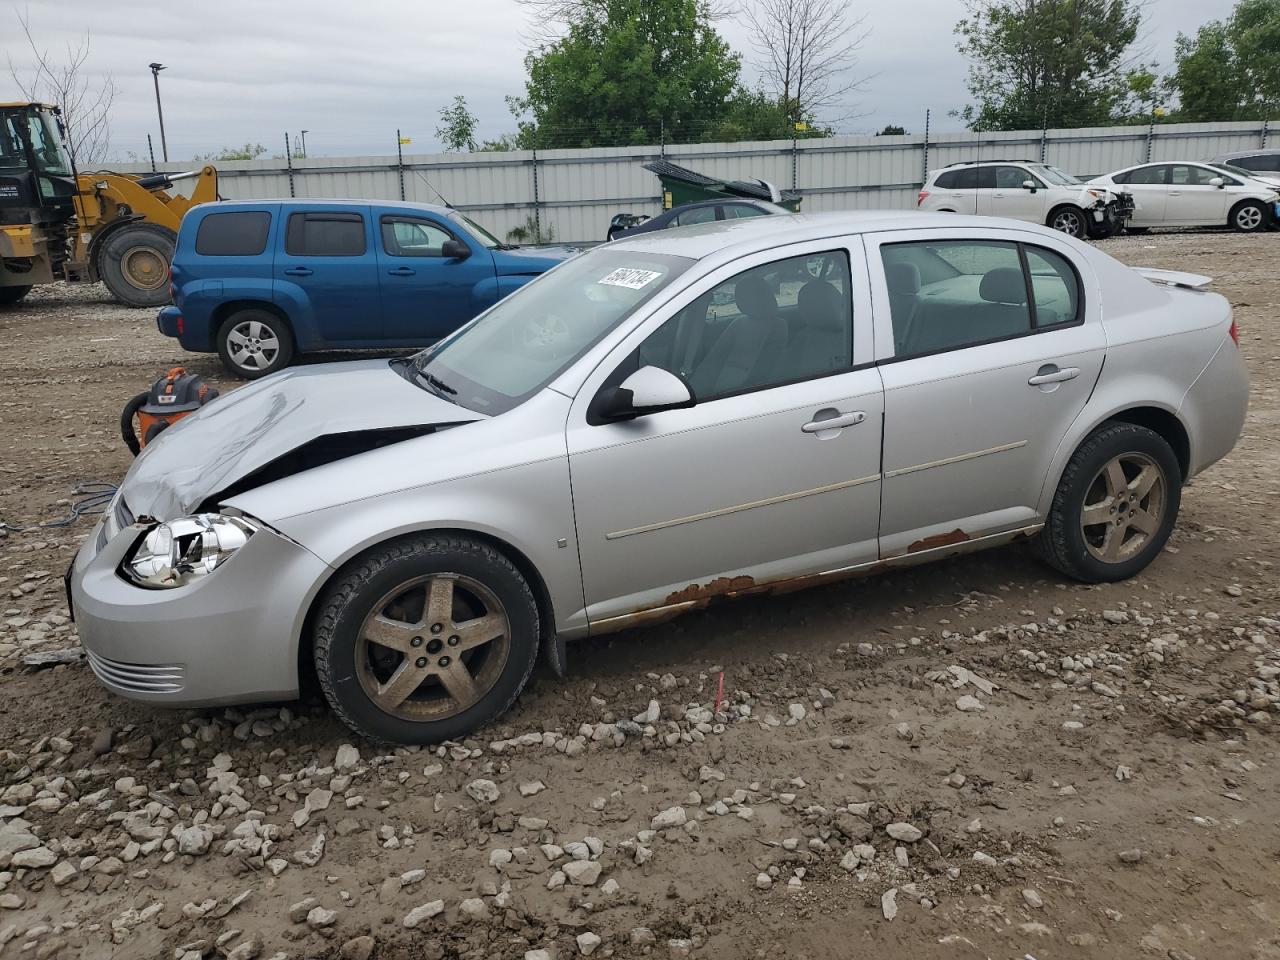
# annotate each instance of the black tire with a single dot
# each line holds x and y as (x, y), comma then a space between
(1068, 219)
(1137, 231)
(1248, 216)
(134, 264)
(236, 346)
(1064, 543)
(11, 295)
(360, 589)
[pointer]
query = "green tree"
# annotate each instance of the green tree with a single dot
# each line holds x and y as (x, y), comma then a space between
(627, 71)
(457, 130)
(1231, 70)
(1060, 63)
(756, 115)
(250, 151)
(892, 130)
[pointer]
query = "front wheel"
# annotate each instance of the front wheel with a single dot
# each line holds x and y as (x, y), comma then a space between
(1115, 506)
(134, 264)
(253, 343)
(1069, 220)
(425, 639)
(1249, 217)
(11, 295)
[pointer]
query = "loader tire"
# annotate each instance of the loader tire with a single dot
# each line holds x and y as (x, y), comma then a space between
(11, 295)
(134, 264)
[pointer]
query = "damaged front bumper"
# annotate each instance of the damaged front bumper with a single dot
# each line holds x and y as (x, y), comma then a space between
(1109, 213)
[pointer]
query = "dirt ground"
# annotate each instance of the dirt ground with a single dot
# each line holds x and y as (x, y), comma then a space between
(1118, 794)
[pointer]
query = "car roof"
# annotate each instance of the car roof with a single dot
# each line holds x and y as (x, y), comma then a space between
(764, 233)
(1257, 152)
(329, 203)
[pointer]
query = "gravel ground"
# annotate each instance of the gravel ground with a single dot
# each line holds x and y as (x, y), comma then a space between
(973, 759)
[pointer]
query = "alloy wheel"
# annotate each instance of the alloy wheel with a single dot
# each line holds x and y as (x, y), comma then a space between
(253, 345)
(1249, 218)
(1069, 222)
(432, 647)
(1123, 508)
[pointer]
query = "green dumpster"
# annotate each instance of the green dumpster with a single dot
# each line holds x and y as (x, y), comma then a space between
(680, 185)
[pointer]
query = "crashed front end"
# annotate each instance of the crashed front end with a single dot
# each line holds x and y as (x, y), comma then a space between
(1108, 211)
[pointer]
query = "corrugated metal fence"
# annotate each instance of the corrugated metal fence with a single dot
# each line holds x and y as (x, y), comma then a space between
(575, 192)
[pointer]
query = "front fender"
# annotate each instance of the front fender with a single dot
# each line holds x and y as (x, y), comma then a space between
(492, 289)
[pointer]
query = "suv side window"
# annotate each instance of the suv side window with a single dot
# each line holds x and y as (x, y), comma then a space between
(948, 180)
(413, 237)
(1012, 178)
(325, 235)
(1257, 163)
(777, 323)
(986, 178)
(242, 233)
(982, 296)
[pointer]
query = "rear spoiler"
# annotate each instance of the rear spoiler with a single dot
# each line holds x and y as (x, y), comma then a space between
(1175, 278)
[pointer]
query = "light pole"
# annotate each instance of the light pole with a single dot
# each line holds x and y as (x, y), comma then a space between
(304, 143)
(155, 75)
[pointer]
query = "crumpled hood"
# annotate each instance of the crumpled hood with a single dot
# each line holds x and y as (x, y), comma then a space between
(244, 430)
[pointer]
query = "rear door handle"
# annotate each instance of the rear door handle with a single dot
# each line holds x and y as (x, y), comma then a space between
(298, 272)
(1050, 373)
(402, 272)
(835, 422)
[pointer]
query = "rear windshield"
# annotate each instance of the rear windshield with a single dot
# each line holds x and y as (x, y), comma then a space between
(239, 234)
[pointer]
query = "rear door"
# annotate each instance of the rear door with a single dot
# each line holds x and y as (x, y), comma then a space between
(326, 277)
(426, 295)
(982, 380)
(958, 190)
(1149, 186)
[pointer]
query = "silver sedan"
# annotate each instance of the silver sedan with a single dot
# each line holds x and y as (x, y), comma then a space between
(661, 423)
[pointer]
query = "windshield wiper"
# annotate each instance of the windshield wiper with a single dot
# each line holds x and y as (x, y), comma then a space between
(436, 382)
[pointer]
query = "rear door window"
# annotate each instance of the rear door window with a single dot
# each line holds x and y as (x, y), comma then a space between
(698, 215)
(740, 211)
(239, 234)
(1145, 176)
(325, 235)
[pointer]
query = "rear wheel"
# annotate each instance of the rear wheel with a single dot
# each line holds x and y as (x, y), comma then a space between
(11, 295)
(1249, 217)
(253, 343)
(1115, 506)
(425, 639)
(134, 264)
(1069, 220)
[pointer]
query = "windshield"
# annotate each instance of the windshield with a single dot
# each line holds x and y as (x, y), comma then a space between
(1057, 177)
(47, 145)
(1229, 168)
(480, 233)
(522, 343)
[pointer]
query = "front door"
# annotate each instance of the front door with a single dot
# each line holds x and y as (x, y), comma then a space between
(1149, 186)
(773, 474)
(1011, 198)
(1193, 199)
(980, 383)
(426, 295)
(326, 278)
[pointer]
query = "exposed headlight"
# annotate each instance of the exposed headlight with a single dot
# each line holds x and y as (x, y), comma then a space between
(180, 551)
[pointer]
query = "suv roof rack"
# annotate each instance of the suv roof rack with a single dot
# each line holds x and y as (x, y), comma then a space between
(967, 163)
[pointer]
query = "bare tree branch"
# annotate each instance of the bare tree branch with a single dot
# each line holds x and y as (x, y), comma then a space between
(806, 50)
(86, 105)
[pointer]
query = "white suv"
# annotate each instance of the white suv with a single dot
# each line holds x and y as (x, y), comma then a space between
(1025, 190)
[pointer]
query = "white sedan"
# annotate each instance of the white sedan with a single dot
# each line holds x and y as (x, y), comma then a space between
(1195, 195)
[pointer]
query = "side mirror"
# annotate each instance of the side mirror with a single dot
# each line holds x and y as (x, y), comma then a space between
(1217, 182)
(1029, 185)
(454, 250)
(648, 390)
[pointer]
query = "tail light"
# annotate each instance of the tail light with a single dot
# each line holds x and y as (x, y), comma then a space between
(924, 195)
(1234, 331)
(182, 326)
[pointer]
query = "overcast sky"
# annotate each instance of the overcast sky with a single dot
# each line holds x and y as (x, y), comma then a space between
(350, 73)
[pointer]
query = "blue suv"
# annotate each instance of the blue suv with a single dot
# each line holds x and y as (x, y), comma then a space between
(259, 281)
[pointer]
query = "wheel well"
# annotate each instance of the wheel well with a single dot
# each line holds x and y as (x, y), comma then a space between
(541, 595)
(100, 238)
(1166, 425)
(224, 310)
(1062, 206)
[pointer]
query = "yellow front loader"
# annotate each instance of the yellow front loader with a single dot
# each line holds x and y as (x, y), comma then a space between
(58, 224)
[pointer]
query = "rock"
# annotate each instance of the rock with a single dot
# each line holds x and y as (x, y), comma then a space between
(537, 955)
(904, 832)
(483, 791)
(532, 788)
(1103, 690)
(679, 947)
(348, 758)
(588, 943)
(473, 908)
(410, 877)
(1130, 856)
(671, 817)
(1115, 616)
(1033, 899)
(62, 873)
(102, 742)
(195, 840)
(1124, 773)
(357, 948)
(246, 949)
(651, 714)
(311, 855)
(298, 912)
(583, 873)
(1233, 590)
(969, 704)
(889, 903)
(37, 857)
(797, 712)
(319, 917)
(1072, 726)
(848, 862)
(763, 881)
(422, 913)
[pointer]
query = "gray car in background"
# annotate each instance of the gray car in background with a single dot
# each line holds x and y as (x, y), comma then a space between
(658, 424)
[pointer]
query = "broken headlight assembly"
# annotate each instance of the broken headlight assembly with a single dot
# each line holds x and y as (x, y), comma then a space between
(179, 552)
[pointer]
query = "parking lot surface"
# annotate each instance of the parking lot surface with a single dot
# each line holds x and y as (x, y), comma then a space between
(971, 759)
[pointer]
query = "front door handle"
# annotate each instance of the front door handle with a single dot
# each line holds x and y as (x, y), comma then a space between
(298, 272)
(834, 422)
(402, 272)
(1050, 373)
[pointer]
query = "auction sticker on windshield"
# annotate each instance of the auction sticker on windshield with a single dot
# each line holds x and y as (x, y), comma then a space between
(630, 277)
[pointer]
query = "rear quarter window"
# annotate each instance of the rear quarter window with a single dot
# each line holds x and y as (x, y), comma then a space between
(239, 234)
